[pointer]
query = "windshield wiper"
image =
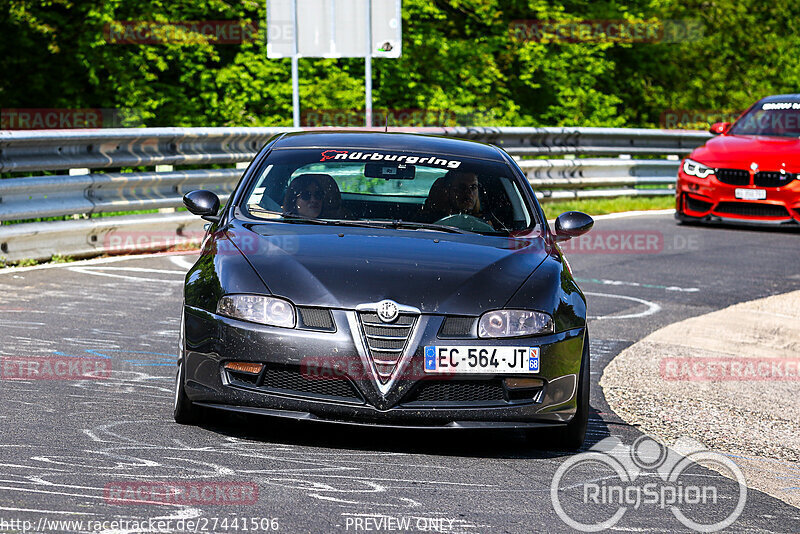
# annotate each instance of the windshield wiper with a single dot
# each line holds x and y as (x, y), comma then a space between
(328, 222)
(423, 226)
(366, 223)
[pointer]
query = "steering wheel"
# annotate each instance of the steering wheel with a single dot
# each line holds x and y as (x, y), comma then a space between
(466, 222)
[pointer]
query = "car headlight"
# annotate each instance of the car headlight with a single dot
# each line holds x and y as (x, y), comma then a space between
(258, 309)
(695, 168)
(513, 323)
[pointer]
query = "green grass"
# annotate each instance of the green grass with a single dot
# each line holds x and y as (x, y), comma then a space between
(79, 216)
(601, 206)
(28, 262)
(58, 258)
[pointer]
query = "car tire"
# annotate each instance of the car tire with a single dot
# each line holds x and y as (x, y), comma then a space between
(573, 435)
(184, 411)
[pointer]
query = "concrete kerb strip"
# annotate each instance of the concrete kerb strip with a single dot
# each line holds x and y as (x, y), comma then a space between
(756, 420)
(96, 261)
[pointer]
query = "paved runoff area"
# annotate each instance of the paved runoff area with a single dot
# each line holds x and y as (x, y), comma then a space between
(103, 454)
(730, 378)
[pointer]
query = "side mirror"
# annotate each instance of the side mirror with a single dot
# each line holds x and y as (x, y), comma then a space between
(572, 224)
(203, 203)
(719, 128)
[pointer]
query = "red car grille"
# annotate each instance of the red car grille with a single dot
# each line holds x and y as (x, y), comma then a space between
(773, 179)
(751, 209)
(693, 204)
(733, 176)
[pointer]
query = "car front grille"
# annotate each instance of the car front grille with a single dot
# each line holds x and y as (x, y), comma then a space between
(290, 380)
(315, 319)
(773, 179)
(693, 204)
(733, 176)
(455, 327)
(386, 341)
(456, 392)
(751, 209)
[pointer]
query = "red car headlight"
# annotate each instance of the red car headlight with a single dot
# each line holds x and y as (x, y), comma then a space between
(696, 169)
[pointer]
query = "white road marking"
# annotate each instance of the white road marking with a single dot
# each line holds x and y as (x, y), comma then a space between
(652, 307)
(626, 214)
(90, 270)
(607, 282)
(94, 261)
(132, 269)
(180, 261)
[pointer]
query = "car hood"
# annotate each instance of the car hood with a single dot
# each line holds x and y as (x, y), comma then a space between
(342, 267)
(770, 153)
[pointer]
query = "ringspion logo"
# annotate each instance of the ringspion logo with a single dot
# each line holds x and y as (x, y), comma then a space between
(595, 490)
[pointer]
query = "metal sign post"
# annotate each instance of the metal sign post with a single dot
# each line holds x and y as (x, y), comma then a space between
(295, 72)
(368, 69)
(334, 29)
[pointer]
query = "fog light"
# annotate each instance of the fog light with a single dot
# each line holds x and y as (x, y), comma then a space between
(244, 367)
(524, 383)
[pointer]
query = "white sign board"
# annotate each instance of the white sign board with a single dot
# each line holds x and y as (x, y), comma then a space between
(334, 28)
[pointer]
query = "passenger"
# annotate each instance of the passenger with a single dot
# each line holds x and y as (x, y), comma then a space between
(314, 196)
(455, 192)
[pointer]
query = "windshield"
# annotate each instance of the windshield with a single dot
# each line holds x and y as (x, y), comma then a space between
(770, 118)
(385, 188)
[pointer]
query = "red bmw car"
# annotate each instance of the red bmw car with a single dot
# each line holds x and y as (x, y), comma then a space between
(750, 172)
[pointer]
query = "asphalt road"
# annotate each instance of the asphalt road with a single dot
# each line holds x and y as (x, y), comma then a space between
(64, 443)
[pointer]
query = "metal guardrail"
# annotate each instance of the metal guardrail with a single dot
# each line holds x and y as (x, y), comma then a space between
(588, 141)
(87, 195)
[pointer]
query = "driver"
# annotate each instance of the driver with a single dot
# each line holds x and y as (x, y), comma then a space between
(313, 195)
(455, 192)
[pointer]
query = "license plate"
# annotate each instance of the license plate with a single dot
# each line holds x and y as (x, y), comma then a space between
(481, 360)
(750, 194)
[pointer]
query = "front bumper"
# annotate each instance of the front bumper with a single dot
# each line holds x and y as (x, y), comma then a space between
(290, 387)
(709, 200)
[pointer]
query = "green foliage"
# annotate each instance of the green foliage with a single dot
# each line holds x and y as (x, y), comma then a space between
(459, 56)
(59, 258)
